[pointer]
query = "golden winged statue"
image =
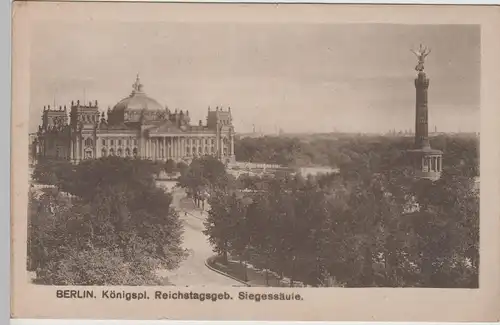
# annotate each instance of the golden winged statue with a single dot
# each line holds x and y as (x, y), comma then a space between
(421, 54)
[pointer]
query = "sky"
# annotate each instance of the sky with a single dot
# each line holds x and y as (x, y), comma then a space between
(297, 77)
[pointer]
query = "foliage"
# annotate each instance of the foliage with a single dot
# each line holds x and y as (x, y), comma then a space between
(373, 224)
(53, 172)
(352, 152)
(201, 175)
(170, 166)
(117, 229)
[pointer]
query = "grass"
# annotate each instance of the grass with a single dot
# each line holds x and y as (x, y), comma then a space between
(248, 274)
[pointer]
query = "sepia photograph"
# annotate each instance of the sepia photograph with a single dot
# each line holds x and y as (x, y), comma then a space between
(284, 156)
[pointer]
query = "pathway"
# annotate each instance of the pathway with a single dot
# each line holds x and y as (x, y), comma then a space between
(193, 271)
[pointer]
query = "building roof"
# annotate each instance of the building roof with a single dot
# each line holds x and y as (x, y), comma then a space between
(170, 127)
(137, 100)
(166, 127)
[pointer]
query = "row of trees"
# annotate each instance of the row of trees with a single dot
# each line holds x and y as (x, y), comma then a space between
(338, 150)
(104, 223)
(373, 224)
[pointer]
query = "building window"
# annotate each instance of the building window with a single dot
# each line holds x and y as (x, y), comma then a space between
(103, 142)
(112, 142)
(120, 142)
(89, 142)
(213, 142)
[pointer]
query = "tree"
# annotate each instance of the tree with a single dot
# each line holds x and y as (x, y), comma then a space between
(201, 176)
(118, 221)
(220, 224)
(54, 172)
(170, 166)
(373, 224)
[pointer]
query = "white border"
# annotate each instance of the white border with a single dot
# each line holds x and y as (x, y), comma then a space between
(5, 128)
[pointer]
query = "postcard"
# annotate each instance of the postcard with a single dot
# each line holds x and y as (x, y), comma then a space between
(293, 162)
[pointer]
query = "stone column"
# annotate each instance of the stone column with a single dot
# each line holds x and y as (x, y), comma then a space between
(178, 147)
(232, 144)
(184, 142)
(184, 145)
(151, 154)
(97, 147)
(169, 149)
(71, 150)
(154, 148)
(140, 147)
(78, 149)
(421, 118)
(164, 149)
(174, 148)
(157, 150)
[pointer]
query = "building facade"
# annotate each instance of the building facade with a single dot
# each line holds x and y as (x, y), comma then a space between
(137, 126)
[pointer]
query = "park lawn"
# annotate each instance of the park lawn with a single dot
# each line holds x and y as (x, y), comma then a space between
(254, 278)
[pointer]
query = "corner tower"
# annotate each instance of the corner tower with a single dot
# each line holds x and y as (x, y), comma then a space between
(427, 162)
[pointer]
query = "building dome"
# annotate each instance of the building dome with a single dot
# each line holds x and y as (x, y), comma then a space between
(136, 102)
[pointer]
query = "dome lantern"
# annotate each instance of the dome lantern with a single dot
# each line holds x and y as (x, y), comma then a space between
(132, 108)
(137, 86)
